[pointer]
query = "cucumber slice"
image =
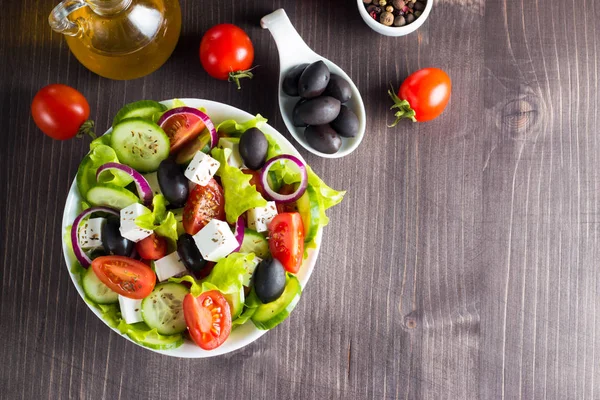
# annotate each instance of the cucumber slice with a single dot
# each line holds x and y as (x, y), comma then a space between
(255, 243)
(97, 291)
(202, 143)
(163, 308)
(308, 207)
(140, 144)
(86, 176)
(146, 109)
(236, 303)
(111, 196)
(268, 316)
(155, 340)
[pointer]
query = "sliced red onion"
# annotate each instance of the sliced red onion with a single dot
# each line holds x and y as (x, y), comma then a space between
(143, 187)
(214, 137)
(83, 258)
(284, 198)
(238, 231)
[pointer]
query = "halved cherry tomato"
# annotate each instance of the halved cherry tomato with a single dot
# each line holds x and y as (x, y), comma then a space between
(182, 128)
(287, 207)
(286, 240)
(203, 204)
(124, 275)
(255, 181)
(152, 248)
(208, 318)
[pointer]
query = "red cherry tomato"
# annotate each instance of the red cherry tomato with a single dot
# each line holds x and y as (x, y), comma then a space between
(182, 129)
(124, 275)
(152, 248)
(286, 240)
(59, 111)
(423, 95)
(208, 318)
(203, 204)
(226, 53)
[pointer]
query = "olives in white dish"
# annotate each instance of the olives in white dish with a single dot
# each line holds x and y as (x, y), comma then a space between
(319, 111)
(189, 254)
(346, 124)
(269, 280)
(314, 80)
(253, 148)
(290, 82)
(338, 88)
(323, 138)
(113, 242)
(173, 183)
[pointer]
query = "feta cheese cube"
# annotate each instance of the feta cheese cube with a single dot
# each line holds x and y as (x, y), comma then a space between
(168, 267)
(235, 158)
(250, 267)
(129, 230)
(202, 168)
(131, 309)
(259, 218)
(152, 179)
(90, 233)
(215, 241)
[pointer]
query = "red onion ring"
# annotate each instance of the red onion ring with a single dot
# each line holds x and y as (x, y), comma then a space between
(284, 198)
(214, 137)
(143, 187)
(83, 258)
(238, 231)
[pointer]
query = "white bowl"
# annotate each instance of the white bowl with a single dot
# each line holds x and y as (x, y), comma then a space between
(293, 51)
(242, 335)
(393, 30)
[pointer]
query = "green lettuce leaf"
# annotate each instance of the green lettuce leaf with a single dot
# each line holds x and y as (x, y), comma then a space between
(232, 127)
(227, 276)
(239, 195)
(161, 221)
(86, 174)
(274, 150)
(101, 140)
(195, 289)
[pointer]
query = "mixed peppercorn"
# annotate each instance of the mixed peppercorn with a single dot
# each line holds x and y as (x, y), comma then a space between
(395, 12)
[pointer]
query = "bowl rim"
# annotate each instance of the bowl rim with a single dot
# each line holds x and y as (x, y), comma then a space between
(394, 30)
(248, 333)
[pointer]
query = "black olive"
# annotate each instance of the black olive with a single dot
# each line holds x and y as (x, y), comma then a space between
(189, 254)
(313, 80)
(346, 124)
(295, 118)
(269, 280)
(319, 111)
(173, 183)
(253, 148)
(323, 138)
(338, 88)
(290, 82)
(113, 242)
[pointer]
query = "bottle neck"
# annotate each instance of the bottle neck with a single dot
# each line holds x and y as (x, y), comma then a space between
(108, 7)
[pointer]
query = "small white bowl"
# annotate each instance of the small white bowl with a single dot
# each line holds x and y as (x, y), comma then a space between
(393, 30)
(293, 51)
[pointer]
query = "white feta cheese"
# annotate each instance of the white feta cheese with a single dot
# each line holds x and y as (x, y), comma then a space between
(129, 230)
(235, 158)
(259, 218)
(90, 233)
(215, 241)
(202, 168)
(131, 309)
(152, 179)
(250, 267)
(168, 267)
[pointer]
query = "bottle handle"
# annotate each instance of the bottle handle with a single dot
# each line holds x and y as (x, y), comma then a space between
(59, 18)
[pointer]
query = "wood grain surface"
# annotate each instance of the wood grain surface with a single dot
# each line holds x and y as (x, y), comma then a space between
(462, 264)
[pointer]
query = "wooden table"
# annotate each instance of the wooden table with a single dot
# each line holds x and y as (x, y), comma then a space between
(462, 264)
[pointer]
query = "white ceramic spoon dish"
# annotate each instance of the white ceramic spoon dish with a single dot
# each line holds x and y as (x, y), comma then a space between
(293, 51)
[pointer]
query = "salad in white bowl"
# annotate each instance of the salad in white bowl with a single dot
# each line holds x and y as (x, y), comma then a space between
(192, 226)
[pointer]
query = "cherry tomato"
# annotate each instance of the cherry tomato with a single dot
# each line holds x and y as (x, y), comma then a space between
(59, 111)
(203, 204)
(208, 318)
(255, 181)
(286, 240)
(182, 129)
(423, 95)
(226, 53)
(152, 248)
(287, 207)
(124, 275)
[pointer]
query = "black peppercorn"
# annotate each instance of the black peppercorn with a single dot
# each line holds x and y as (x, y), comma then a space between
(399, 21)
(410, 18)
(374, 8)
(419, 6)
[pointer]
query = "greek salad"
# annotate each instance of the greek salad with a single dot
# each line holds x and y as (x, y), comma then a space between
(189, 229)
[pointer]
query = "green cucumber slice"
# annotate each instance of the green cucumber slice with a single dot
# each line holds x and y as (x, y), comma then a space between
(163, 308)
(202, 143)
(268, 316)
(140, 144)
(308, 207)
(255, 243)
(86, 176)
(110, 195)
(236, 303)
(97, 291)
(154, 340)
(146, 109)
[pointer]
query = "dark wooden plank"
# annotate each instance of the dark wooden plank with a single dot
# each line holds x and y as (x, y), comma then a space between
(461, 265)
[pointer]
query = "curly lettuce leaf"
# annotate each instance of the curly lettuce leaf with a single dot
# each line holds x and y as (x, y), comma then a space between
(234, 128)
(101, 140)
(239, 195)
(161, 221)
(86, 174)
(227, 276)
